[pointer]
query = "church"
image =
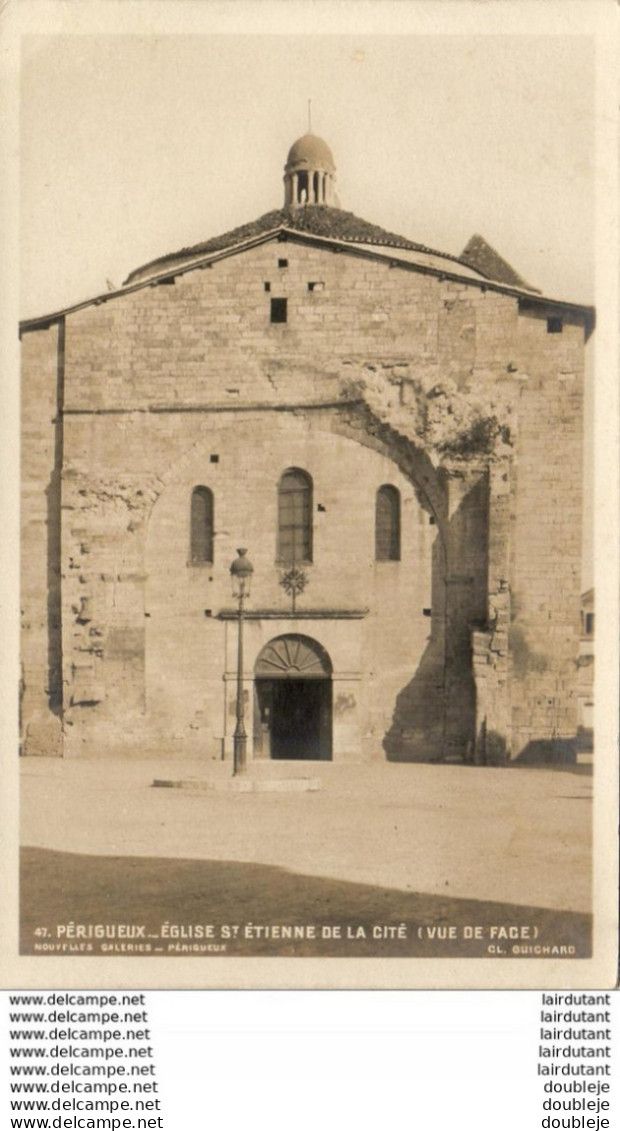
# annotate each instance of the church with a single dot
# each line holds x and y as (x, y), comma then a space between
(391, 435)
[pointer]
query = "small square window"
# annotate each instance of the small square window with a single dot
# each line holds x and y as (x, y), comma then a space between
(316, 286)
(214, 459)
(278, 310)
(282, 262)
(554, 325)
(267, 286)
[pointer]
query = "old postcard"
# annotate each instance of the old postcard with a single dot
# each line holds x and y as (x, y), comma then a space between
(318, 417)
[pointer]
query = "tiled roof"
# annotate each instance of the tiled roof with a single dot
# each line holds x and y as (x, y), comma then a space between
(317, 220)
(483, 258)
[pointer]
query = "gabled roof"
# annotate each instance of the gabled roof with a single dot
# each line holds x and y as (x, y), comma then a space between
(327, 228)
(483, 258)
(316, 220)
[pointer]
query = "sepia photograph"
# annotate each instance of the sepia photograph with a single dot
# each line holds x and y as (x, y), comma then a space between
(308, 585)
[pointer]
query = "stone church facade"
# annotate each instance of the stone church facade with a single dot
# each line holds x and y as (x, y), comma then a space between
(384, 424)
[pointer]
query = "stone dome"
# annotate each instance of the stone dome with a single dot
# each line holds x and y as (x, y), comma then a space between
(310, 151)
(310, 174)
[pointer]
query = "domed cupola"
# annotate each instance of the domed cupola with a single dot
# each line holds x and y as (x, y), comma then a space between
(310, 174)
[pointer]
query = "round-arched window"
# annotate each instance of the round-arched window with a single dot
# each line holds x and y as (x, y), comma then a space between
(295, 517)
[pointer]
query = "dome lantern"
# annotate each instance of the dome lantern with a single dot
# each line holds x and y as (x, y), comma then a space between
(310, 174)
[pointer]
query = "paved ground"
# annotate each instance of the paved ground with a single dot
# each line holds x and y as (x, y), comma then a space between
(429, 844)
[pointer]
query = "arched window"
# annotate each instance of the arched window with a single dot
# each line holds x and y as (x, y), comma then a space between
(295, 516)
(201, 525)
(387, 524)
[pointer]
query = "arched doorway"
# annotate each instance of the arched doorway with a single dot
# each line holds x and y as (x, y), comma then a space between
(293, 701)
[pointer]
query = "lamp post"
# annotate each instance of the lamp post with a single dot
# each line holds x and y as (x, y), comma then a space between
(241, 572)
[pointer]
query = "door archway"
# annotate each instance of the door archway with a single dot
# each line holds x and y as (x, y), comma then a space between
(293, 700)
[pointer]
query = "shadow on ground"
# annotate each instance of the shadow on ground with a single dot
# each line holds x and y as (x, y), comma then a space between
(59, 888)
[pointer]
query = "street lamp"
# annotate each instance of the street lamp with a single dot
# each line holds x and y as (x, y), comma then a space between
(241, 572)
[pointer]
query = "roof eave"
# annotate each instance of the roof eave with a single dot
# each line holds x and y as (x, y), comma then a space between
(282, 232)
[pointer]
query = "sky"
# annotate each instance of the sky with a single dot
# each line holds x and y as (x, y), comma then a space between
(133, 146)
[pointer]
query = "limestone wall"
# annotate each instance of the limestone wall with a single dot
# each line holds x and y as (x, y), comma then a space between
(41, 453)
(144, 643)
(159, 382)
(546, 537)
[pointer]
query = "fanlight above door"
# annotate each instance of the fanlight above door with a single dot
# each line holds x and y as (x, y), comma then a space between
(293, 657)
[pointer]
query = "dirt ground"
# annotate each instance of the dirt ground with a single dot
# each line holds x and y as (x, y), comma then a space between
(432, 849)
